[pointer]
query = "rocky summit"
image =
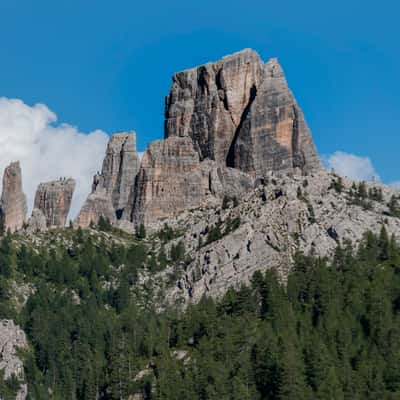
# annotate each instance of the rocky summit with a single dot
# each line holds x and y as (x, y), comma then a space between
(120, 167)
(113, 190)
(236, 116)
(13, 206)
(53, 200)
(240, 112)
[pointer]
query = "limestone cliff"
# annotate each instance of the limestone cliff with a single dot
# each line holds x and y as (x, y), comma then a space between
(172, 179)
(53, 199)
(113, 190)
(273, 135)
(241, 112)
(120, 167)
(98, 204)
(13, 206)
(206, 103)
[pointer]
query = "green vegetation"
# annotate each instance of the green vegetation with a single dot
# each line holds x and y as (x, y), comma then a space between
(337, 184)
(394, 207)
(141, 232)
(332, 333)
(219, 230)
(358, 195)
(166, 234)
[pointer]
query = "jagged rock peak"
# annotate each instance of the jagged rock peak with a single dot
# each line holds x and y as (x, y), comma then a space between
(120, 167)
(206, 102)
(113, 190)
(13, 206)
(53, 199)
(240, 112)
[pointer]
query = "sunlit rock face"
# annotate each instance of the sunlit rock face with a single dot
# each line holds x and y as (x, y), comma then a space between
(240, 112)
(53, 199)
(172, 179)
(13, 206)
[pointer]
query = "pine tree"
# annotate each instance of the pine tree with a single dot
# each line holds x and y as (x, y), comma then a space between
(330, 388)
(292, 382)
(141, 233)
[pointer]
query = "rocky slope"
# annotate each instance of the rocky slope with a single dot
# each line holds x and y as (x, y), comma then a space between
(12, 340)
(283, 215)
(13, 206)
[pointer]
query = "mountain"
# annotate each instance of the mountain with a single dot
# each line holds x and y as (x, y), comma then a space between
(225, 263)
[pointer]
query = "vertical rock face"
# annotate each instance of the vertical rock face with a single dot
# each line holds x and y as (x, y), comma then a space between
(172, 179)
(241, 112)
(120, 167)
(53, 199)
(113, 190)
(98, 204)
(273, 135)
(13, 207)
(206, 103)
(169, 180)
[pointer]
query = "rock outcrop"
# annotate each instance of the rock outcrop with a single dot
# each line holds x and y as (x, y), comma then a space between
(120, 167)
(172, 179)
(98, 204)
(53, 199)
(273, 135)
(169, 180)
(37, 222)
(206, 103)
(241, 113)
(113, 190)
(13, 206)
(12, 339)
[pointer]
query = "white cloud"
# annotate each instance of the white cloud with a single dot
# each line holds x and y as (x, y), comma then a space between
(395, 184)
(352, 166)
(48, 150)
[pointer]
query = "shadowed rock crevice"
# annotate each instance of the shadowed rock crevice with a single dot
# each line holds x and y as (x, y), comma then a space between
(230, 159)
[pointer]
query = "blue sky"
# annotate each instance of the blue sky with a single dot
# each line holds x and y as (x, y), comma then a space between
(108, 65)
